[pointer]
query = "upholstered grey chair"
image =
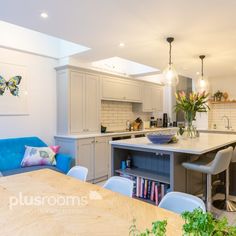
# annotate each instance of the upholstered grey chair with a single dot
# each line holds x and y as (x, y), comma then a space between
(227, 204)
(211, 166)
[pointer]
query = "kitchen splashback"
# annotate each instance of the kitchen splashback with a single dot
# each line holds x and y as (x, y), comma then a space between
(218, 111)
(115, 114)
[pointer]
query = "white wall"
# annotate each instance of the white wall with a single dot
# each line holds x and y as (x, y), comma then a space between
(41, 76)
(224, 84)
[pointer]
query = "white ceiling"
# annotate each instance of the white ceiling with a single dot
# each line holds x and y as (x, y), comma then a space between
(199, 27)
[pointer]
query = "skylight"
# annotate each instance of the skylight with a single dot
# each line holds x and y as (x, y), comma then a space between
(17, 37)
(123, 66)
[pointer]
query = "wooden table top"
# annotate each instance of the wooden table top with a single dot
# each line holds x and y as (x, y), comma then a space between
(45, 202)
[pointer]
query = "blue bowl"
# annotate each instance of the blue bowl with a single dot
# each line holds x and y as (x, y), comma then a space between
(160, 138)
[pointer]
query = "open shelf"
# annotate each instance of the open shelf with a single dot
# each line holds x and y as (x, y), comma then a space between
(222, 102)
(146, 174)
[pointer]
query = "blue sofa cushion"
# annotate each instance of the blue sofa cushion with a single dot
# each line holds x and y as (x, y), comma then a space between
(12, 151)
(28, 169)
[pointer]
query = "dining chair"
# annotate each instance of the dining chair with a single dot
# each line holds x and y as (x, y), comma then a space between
(179, 202)
(78, 172)
(120, 185)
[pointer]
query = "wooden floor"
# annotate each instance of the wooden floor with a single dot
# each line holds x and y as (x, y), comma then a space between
(231, 216)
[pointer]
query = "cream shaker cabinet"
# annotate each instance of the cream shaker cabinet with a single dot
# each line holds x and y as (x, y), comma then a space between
(157, 98)
(78, 102)
(101, 157)
(152, 99)
(120, 90)
(85, 156)
(147, 104)
(93, 153)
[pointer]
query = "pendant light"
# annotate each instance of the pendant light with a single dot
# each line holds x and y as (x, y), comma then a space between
(170, 76)
(202, 82)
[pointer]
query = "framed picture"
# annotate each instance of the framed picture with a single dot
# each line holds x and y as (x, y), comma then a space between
(13, 90)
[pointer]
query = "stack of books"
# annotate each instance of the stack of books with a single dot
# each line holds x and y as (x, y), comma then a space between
(148, 189)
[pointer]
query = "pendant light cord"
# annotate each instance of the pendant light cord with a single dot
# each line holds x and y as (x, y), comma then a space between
(170, 53)
(202, 67)
(202, 58)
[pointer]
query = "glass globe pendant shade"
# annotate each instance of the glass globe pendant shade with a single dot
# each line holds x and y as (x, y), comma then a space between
(170, 76)
(202, 84)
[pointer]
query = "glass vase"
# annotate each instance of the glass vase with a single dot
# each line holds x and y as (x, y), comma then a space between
(190, 130)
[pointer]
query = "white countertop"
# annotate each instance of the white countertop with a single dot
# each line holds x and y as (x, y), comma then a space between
(218, 130)
(205, 143)
(121, 133)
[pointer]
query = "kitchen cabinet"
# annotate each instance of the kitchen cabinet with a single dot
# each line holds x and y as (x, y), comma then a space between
(117, 89)
(92, 103)
(93, 153)
(101, 157)
(152, 99)
(78, 102)
(85, 156)
(157, 98)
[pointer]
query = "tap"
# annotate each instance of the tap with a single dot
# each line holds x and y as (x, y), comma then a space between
(227, 126)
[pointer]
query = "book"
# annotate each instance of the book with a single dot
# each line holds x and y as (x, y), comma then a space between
(149, 189)
(141, 187)
(137, 186)
(162, 190)
(156, 195)
(152, 191)
(145, 188)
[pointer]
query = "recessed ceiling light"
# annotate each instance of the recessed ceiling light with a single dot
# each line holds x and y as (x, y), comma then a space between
(197, 73)
(44, 15)
(121, 45)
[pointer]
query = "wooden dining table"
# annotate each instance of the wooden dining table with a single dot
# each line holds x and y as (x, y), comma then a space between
(46, 202)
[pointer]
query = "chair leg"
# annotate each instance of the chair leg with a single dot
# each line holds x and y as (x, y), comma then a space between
(226, 204)
(208, 193)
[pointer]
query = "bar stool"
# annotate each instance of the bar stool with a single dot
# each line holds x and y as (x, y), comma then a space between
(211, 167)
(227, 204)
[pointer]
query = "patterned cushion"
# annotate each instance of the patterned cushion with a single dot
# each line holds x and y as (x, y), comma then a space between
(37, 156)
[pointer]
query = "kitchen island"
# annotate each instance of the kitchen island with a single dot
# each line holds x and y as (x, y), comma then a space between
(163, 162)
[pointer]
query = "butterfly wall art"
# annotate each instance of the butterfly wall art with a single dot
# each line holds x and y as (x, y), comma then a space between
(11, 85)
(13, 89)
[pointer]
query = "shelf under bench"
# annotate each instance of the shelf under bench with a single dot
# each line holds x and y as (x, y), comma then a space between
(146, 174)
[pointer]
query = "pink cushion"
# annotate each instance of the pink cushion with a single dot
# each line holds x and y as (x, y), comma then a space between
(55, 148)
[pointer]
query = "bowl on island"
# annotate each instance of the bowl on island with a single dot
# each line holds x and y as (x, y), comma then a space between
(160, 138)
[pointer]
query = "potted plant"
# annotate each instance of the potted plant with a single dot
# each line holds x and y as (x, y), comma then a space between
(190, 105)
(197, 223)
(218, 96)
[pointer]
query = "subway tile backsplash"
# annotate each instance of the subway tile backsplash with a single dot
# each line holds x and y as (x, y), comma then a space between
(115, 114)
(218, 111)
